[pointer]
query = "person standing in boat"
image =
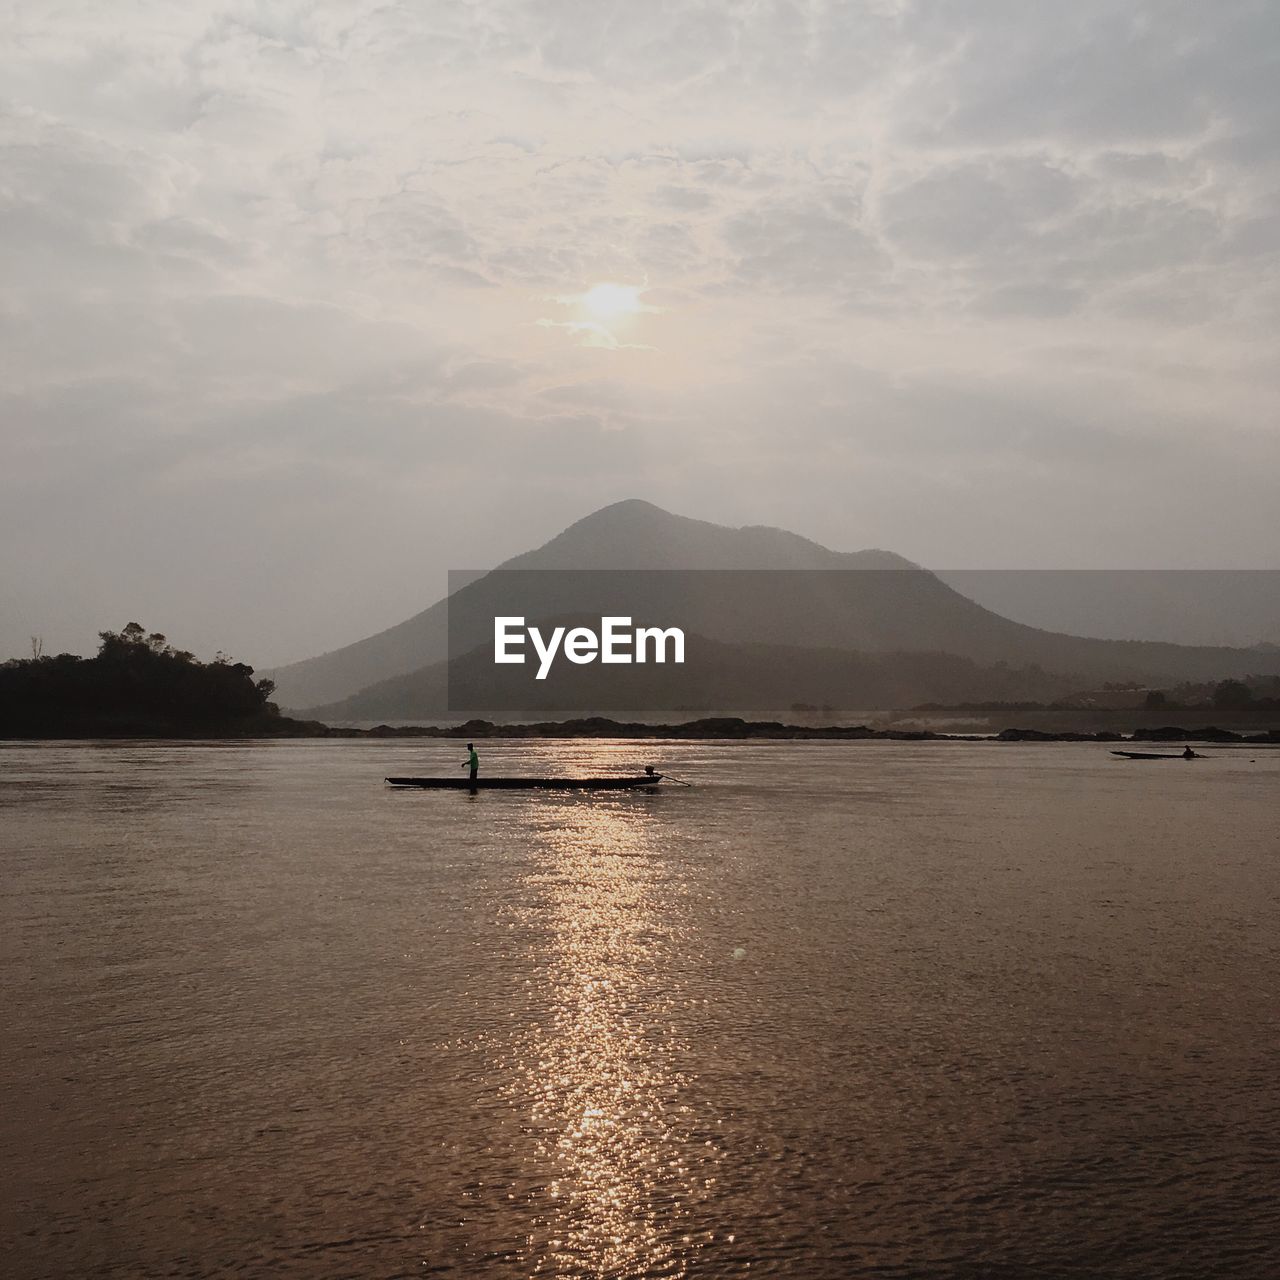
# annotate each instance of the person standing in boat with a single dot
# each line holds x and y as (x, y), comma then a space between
(472, 761)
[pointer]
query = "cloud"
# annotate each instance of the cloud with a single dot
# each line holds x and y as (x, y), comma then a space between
(279, 275)
(977, 207)
(593, 334)
(815, 242)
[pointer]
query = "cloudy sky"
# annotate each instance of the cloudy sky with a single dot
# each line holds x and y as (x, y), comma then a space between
(300, 302)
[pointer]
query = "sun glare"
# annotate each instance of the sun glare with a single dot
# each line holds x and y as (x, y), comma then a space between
(612, 301)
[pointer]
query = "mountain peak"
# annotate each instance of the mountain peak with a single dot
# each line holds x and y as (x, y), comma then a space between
(631, 534)
(636, 534)
(628, 506)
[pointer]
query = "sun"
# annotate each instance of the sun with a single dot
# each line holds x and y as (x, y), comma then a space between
(608, 301)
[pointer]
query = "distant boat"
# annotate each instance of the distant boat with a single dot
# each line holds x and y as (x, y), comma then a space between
(616, 783)
(1154, 755)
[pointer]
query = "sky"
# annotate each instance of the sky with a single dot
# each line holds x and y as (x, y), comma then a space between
(305, 304)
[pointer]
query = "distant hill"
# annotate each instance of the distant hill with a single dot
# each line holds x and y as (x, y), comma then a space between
(882, 605)
(627, 535)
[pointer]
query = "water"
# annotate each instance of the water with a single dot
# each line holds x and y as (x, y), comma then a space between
(888, 1010)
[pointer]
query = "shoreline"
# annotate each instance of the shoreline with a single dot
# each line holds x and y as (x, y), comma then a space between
(719, 729)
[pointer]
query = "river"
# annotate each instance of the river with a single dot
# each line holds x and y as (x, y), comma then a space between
(838, 1009)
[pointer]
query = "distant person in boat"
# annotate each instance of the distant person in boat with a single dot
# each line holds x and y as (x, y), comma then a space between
(472, 761)
(1188, 754)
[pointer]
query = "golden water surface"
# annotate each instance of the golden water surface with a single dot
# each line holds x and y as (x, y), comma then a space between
(892, 1010)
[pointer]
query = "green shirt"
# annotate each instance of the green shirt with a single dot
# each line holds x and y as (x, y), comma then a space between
(473, 760)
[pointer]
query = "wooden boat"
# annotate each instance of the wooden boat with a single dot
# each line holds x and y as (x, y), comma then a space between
(615, 783)
(1155, 755)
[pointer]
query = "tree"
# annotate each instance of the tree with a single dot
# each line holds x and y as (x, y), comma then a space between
(1155, 700)
(1232, 695)
(137, 683)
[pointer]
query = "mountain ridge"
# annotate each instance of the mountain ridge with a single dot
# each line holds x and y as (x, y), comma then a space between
(631, 533)
(888, 605)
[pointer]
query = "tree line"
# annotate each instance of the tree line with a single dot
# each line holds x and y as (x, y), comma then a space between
(136, 683)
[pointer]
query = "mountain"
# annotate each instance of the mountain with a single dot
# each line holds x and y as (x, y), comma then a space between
(755, 586)
(627, 535)
(634, 534)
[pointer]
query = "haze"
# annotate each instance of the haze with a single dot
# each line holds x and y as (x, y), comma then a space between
(306, 304)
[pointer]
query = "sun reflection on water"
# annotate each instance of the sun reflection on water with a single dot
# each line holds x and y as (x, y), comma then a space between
(604, 1074)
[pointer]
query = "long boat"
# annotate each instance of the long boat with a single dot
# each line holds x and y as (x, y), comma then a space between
(1156, 755)
(613, 783)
